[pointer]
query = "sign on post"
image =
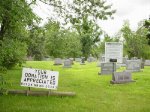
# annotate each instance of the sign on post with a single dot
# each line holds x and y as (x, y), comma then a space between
(113, 50)
(39, 78)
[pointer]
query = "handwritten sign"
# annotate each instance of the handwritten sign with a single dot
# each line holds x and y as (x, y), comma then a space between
(39, 78)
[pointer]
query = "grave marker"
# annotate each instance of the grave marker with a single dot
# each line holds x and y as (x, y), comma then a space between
(67, 63)
(58, 61)
(107, 68)
(121, 77)
(113, 50)
(133, 65)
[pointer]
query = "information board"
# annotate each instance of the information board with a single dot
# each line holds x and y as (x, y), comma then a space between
(113, 50)
(39, 78)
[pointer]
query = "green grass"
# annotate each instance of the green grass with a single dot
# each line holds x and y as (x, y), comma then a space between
(94, 93)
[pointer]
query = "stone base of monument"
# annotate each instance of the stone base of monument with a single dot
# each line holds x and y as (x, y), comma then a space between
(120, 82)
(40, 93)
(133, 70)
(57, 64)
(67, 67)
(82, 63)
(121, 77)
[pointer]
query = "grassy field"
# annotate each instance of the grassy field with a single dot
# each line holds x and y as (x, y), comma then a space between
(94, 93)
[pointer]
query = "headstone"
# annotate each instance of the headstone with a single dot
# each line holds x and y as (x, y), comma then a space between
(91, 59)
(67, 63)
(147, 63)
(124, 60)
(78, 59)
(133, 65)
(121, 77)
(134, 58)
(118, 66)
(58, 61)
(107, 68)
(113, 50)
(82, 61)
(102, 59)
(71, 59)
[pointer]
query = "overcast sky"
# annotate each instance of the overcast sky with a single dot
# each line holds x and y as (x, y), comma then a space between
(132, 10)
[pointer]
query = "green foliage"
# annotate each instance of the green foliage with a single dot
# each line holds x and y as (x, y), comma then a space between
(36, 42)
(147, 26)
(61, 43)
(135, 43)
(15, 17)
(101, 45)
(83, 15)
(12, 52)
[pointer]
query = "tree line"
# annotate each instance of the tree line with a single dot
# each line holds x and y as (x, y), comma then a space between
(21, 36)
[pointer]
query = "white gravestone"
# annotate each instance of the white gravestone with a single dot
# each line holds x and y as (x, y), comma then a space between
(113, 50)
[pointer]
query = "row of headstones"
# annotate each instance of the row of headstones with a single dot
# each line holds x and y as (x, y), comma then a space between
(69, 62)
(124, 61)
(121, 77)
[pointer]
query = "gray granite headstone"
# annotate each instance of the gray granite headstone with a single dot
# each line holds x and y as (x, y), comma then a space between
(67, 63)
(134, 58)
(121, 77)
(147, 63)
(71, 59)
(78, 59)
(58, 61)
(90, 59)
(133, 65)
(107, 68)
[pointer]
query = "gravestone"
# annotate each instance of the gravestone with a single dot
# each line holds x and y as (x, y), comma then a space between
(58, 61)
(67, 63)
(134, 58)
(78, 59)
(147, 63)
(121, 77)
(71, 59)
(82, 61)
(113, 50)
(90, 59)
(101, 60)
(107, 68)
(133, 65)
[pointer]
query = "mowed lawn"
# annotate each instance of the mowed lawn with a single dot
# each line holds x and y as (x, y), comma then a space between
(94, 93)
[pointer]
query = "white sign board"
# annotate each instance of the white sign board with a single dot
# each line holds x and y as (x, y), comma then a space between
(39, 78)
(113, 50)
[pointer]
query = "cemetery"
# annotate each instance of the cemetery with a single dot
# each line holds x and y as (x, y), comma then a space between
(74, 56)
(83, 84)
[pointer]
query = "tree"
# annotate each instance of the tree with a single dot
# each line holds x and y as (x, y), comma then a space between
(15, 16)
(83, 16)
(135, 43)
(36, 42)
(61, 43)
(147, 26)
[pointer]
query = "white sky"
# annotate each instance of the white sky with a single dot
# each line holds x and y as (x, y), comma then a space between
(132, 10)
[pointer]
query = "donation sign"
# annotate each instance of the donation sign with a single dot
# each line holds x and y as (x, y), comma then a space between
(39, 78)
